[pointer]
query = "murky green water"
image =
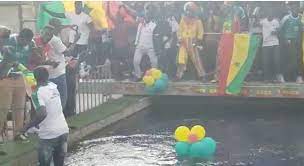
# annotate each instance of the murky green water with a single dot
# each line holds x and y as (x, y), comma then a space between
(257, 133)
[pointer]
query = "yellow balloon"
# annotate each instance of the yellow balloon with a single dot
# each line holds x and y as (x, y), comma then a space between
(199, 131)
(30, 81)
(182, 133)
(156, 74)
(148, 80)
(152, 69)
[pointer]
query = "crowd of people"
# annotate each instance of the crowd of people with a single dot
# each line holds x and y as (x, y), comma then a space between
(169, 34)
(165, 35)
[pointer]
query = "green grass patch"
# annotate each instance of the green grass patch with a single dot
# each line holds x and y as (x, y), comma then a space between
(101, 112)
(14, 149)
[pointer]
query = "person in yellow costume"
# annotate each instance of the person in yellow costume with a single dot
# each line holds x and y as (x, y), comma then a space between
(190, 34)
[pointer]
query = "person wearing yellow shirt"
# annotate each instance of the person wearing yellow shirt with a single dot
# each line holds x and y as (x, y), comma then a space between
(190, 34)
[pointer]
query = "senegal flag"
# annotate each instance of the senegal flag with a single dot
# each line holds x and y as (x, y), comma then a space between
(236, 56)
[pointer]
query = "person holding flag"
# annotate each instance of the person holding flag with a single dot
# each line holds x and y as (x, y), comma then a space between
(82, 20)
(121, 25)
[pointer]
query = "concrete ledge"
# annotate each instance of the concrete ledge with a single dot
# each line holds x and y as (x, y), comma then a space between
(25, 154)
(194, 88)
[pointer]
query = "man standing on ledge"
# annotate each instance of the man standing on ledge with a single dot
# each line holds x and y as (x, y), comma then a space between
(53, 128)
(144, 42)
(190, 36)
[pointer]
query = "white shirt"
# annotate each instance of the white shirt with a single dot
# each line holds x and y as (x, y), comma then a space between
(144, 36)
(254, 28)
(65, 35)
(267, 27)
(54, 125)
(55, 53)
(174, 28)
(81, 20)
(173, 24)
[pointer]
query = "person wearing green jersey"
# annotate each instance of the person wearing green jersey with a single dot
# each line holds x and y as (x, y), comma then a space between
(234, 18)
(22, 44)
(291, 36)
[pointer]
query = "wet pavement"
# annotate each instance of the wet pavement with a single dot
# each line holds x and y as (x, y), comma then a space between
(248, 133)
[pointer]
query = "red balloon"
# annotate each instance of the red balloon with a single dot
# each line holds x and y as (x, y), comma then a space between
(192, 138)
(148, 73)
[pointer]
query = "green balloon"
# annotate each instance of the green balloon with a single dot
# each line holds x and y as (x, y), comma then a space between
(160, 85)
(196, 150)
(165, 77)
(208, 147)
(182, 148)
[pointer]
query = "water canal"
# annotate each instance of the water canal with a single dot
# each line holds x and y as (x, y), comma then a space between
(249, 132)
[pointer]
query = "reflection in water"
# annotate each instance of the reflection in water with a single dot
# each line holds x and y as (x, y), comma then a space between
(245, 138)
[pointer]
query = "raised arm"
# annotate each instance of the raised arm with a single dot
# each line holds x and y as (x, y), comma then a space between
(109, 14)
(129, 10)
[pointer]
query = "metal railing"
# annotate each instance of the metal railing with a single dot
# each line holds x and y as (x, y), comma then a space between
(94, 89)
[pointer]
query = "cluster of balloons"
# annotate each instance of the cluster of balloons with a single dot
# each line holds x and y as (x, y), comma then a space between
(28, 76)
(155, 81)
(30, 80)
(193, 143)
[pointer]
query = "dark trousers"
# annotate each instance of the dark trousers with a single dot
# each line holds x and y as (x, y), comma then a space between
(121, 62)
(167, 61)
(257, 66)
(71, 79)
(55, 149)
(102, 51)
(293, 62)
(78, 49)
(271, 62)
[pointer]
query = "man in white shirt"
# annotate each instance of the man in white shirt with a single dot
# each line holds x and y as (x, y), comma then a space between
(84, 23)
(271, 49)
(85, 26)
(71, 67)
(49, 119)
(56, 55)
(144, 43)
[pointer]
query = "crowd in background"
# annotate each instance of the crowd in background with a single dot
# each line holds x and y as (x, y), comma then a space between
(272, 21)
(166, 35)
